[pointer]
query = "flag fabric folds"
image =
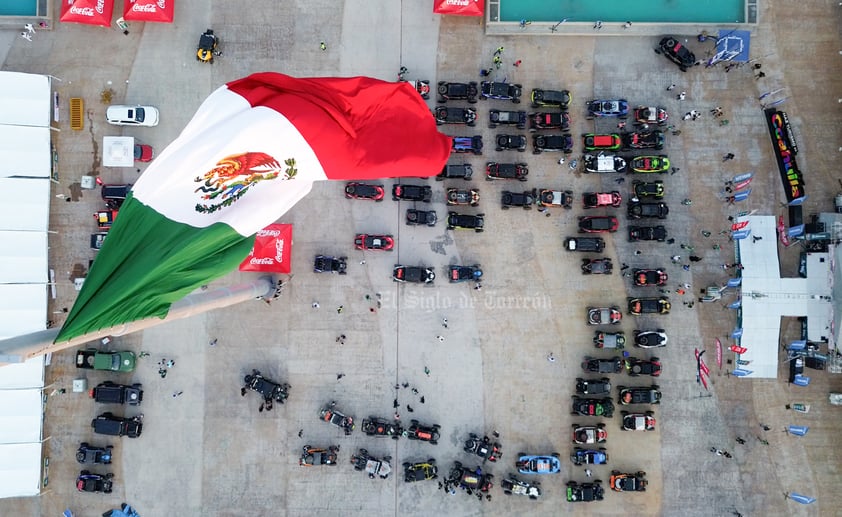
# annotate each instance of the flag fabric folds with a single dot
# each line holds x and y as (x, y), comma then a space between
(251, 151)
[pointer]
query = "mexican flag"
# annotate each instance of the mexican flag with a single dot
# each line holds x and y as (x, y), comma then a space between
(251, 151)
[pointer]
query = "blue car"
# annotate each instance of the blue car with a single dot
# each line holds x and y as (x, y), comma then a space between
(467, 144)
(615, 108)
(589, 456)
(465, 273)
(529, 464)
(502, 91)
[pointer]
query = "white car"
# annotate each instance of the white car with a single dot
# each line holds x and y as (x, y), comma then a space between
(132, 115)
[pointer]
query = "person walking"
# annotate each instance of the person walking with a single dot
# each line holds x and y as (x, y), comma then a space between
(670, 87)
(26, 36)
(551, 358)
(681, 96)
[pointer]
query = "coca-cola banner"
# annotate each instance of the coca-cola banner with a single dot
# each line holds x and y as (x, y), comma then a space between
(459, 7)
(90, 12)
(272, 252)
(148, 10)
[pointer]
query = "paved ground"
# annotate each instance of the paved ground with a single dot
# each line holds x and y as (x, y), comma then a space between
(210, 451)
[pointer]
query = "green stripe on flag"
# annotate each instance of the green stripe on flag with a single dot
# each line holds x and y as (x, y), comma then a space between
(146, 253)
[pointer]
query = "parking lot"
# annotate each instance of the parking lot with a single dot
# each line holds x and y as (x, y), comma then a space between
(210, 451)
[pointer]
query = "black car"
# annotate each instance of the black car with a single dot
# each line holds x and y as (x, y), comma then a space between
(628, 482)
(413, 275)
(446, 115)
(675, 51)
(592, 365)
(483, 447)
(111, 425)
(458, 91)
(603, 407)
(465, 273)
(502, 91)
(598, 224)
(89, 482)
(560, 121)
(584, 492)
(640, 395)
(356, 190)
(600, 163)
(523, 199)
(639, 210)
(421, 471)
(512, 118)
(560, 143)
(650, 338)
(594, 244)
(469, 479)
(457, 196)
(87, 454)
(647, 233)
(466, 144)
(593, 386)
(456, 171)
(644, 140)
(424, 433)
(335, 417)
(416, 217)
(601, 266)
(374, 426)
(654, 189)
(373, 466)
(512, 485)
(506, 171)
(465, 221)
(315, 456)
(110, 393)
(553, 98)
(325, 264)
(511, 142)
(114, 195)
(269, 390)
(412, 193)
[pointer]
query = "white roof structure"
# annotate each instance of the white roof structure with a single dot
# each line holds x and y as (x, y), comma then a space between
(24, 99)
(25, 152)
(118, 151)
(23, 257)
(766, 297)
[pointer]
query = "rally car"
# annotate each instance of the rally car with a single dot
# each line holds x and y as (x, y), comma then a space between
(638, 306)
(512, 485)
(552, 143)
(465, 222)
(334, 417)
(466, 144)
(111, 425)
(506, 171)
(115, 195)
(593, 386)
(547, 197)
(594, 142)
(314, 456)
(594, 244)
(457, 196)
(356, 190)
(650, 338)
(367, 242)
(601, 266)
(89, 482)
(544, 120)
(469, 479)
(269, 390)
(604, 315)
(589, 456)
(598, 224)
(598, 199)
(640, 395)
(613, 108)
(533, 464)
(363, 461)
(615, 340)
(325, 264)
(88, 454)
(649, 277)
(635, 367)
(413, 275)
(647, 233)
(523, 199)
(592, 365)
(457, 91)
(584, 492)
(639, 210)
(588, 434)
(502, 91)
(512, 118)
(115, 361)
(511, 142)
(446, 115)
(424, 433)
(651, 115)
(644, 140)
(646, 164)
(676, 52)
(465, 273)
(603, 407)
(638, 421)
(552, 98)
(654, 189)
(456, 171)
(416, 217)
(421, 471)
(374, 426)
(412, 193)
(604, 163)
(484, 448)
(624, 482)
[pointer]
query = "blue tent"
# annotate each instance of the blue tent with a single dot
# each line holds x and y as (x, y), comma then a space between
(797, 430)
(732, 45)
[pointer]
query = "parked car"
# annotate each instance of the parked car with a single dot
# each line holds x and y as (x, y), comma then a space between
(465, 222)
(424, 433)
(143, 153)
(551, 98)
(457, 91)
(315, 456)
(603, 407)
(483, 447)
(604, 315)
(601, 163)
(506, 171)
(595, 142)
(650, 338)
(111, 425)
(523, 199)
(596, 365)
(598, 224)
(334, 417)
(421, 217)
(110, 393)
(598, 199)
(639, 210)
(456, 196)
(465, 273)
(512, 485)
(90, 482)
(448, 115)
(654, 189)
(550, 198)
(365, 242)
(467, 144)
(511, 118)
(593, 244)
(421, 471)
(593, 386)
(647, 164)
(88, 454)
(413, 275)
(639, 395)
(120, 115)
(511, 142)
(93, 359)
(600, 266)
(589, 434)
(651, 115)
(627, 482)
(114, 194)
(373, 466)
(469, 479)
(581, 456)
(675, 51)
(616, 340)
(554, 143)
(502, 91)
(649, 277)
(644, 140)
(326, 264)
(456, 171)
(638, 421)
(638, 306)
(355, 190)
(375, 426)
(543, 120)
(647, 233)
(538, 464)
(421, 193)
(584, 492)
(635, 367)
(268, 389)
(609, 108)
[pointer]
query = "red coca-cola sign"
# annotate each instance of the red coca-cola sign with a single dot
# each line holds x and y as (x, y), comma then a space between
(272, 251)
(90, 12)
(149, 11)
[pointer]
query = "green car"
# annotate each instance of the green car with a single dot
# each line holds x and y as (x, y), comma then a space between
(644, 164)
(594, 142)
(93, 359)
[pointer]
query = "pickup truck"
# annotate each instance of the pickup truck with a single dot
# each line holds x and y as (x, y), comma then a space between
(111, 393)
(93, 359)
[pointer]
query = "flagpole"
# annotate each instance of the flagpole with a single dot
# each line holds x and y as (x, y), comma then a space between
(20, 348)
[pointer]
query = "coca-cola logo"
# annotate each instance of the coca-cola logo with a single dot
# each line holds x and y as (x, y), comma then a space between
(145, 8)
(82, 11)
(279, 250)
(267, 261)
(100, 6)
(462, 3)
(268, 233)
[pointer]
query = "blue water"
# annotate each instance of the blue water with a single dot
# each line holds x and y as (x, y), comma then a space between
(652, 11)
(18, 7)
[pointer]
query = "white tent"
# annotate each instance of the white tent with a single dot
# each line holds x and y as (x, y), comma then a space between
(25, 205)
(23, 309)
(23, 257)
(118, 151)
(24, 99)
(25, 152)
(20, 469)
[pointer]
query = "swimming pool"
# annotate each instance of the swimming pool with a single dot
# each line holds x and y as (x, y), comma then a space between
(645, 11)
(19, 8)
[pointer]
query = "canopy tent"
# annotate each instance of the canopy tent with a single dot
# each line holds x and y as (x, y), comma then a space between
(25, 204)
(732, 45)
(23, 257)
(149, 11)
(25, 152)
(24, 99)
(117, 151)
(272, 251)
(460, 7)
(89, 12)
(20, 470)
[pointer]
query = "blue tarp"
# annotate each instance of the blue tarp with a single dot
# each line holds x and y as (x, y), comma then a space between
(733, 45)
(803, 499)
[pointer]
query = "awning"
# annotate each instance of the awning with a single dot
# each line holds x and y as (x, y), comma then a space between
(161, 11)
(90, 12)
(460, 7)
(272, 251)
(118, 151)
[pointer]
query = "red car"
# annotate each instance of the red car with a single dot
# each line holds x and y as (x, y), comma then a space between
(142, 153)
(648, 277)
(598, 224)
(374, 242)
(355, 190)
(597, 199)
